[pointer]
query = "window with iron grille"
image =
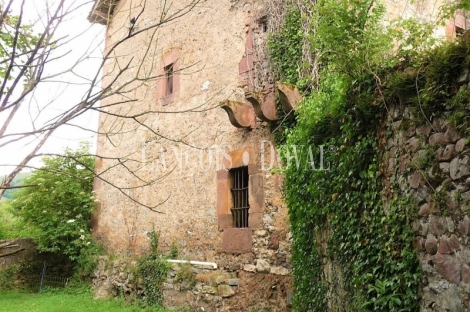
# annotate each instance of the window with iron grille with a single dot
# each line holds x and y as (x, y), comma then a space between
(169, 79)
(240, 197)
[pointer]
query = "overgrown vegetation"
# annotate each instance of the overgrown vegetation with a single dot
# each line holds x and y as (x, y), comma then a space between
(152, 270)
(60, 202)
(344, 214)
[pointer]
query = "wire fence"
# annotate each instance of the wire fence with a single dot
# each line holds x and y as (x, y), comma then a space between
(45, 280)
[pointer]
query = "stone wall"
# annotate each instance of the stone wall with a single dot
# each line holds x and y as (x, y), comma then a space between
(431, 162)
(202, 287)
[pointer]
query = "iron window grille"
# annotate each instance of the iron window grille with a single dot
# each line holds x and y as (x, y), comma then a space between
(240, 197)
(169, 78)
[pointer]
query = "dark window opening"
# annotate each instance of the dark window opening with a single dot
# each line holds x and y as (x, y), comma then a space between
(240, 197)
(459, 31)
(264, 25)
(169, 79)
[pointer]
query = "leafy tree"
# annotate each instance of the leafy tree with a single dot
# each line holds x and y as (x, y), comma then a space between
(60, 202)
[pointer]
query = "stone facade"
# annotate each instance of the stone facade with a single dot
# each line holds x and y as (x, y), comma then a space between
(211, 49)
(202, 287)
(430, 162)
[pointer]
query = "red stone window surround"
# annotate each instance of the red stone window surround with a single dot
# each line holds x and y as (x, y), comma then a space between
(457, 26)
(235, 239)
(168, 83)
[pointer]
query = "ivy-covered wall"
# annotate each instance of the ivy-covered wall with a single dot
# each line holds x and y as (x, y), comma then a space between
(383, 224)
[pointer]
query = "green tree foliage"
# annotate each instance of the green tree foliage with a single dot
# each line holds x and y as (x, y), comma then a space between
(17, 181)
(17, 41)
(60, 202)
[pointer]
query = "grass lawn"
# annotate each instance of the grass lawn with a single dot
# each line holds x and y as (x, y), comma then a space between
(63, 302)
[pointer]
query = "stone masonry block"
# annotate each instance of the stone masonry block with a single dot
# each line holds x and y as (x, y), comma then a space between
(256, 193)
(237, 240)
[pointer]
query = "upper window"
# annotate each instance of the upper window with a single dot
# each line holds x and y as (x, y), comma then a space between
(169, 73)
(239, 177)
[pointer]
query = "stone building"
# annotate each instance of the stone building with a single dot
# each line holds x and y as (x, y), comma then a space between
(217, 199)
(186, 131)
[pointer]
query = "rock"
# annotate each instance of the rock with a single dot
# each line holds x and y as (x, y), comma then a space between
(464, 226)
(444, 247)
(262, 266)
(390, 143)
(451, 136)
(290, 297)
(465, 271)
(424, 210)
(423, 130)
(454, 243)
(410, 131)
(450, 300)
(445, 154)
(436, 139)
(447, 267)
(440, 124)
(467, 181)
(419, 243)
(209, 290)
(435, 173)
(403, 163)
(273, 241)
(460, 145)
(234, 282)
(421, 194)
(445, 167)
(415, 179)
(261, 233)
(279, 270)
(249, 268)
(459, 168)
(225, 291)
(450, 225)
(431, 244)
(436, 226)
(412, 144)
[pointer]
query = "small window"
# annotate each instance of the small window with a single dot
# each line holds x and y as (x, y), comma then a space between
(169, 79)
(264, 24)
(241, 205)
(459, 31)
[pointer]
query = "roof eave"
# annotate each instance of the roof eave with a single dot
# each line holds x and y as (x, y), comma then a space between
(102, 11)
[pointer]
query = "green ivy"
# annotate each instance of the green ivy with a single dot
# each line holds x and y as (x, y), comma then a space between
(344, 216)
(152, 271)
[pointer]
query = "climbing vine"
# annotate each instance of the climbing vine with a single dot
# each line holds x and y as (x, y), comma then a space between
(352, 233)
(152, 271)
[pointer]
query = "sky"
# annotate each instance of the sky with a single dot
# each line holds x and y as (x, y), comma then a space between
(58, 94)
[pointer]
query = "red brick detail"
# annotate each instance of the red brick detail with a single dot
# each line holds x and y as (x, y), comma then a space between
(256, 193)
(223, 197)
(171, 57)
(255, 220)
(237, 240)
(225, 221)
(223, 175)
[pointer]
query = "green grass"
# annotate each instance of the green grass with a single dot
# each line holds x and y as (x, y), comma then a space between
(64, 302)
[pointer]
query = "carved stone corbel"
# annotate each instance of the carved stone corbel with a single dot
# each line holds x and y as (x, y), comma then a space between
(264, 105)
(241, 115)
(289, 96)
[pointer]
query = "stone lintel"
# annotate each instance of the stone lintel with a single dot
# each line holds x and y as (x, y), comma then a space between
(237, 240)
